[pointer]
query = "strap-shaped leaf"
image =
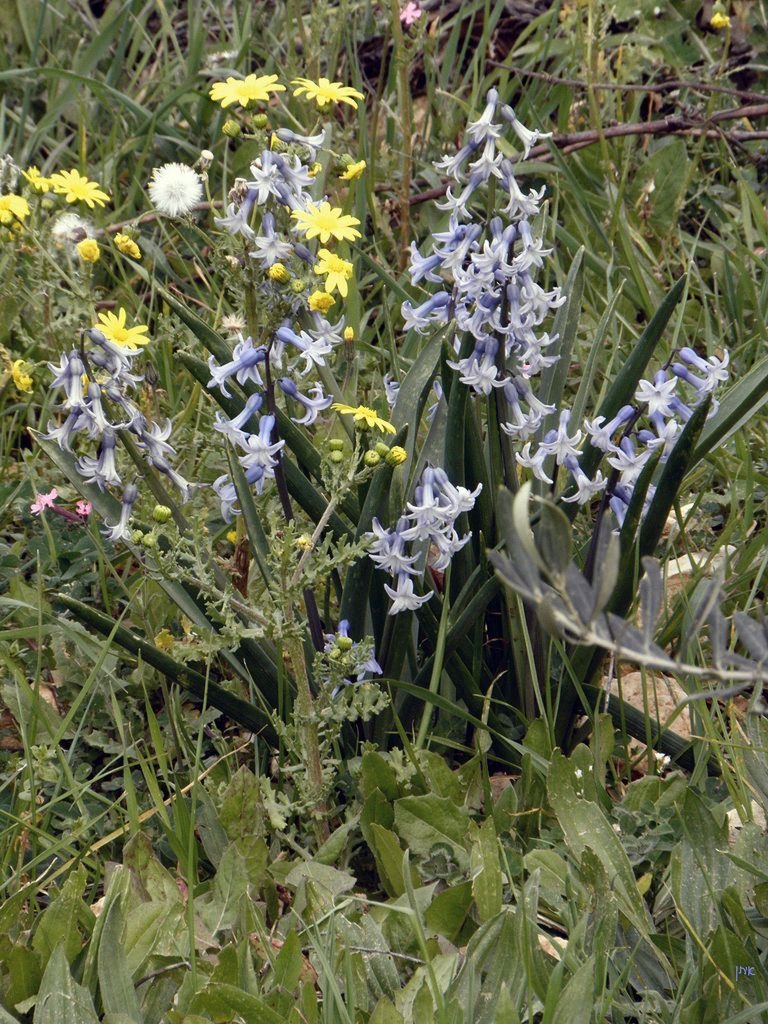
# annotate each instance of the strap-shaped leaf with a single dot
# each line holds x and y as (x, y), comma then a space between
(747, 396)
(247, 715)
(566, 324)
(357, 583)
(253, 527)
(412, 394)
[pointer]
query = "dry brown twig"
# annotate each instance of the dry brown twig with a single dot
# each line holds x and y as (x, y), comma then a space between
(678, 124)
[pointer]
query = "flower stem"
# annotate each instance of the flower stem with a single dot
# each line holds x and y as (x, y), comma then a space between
(406, 116)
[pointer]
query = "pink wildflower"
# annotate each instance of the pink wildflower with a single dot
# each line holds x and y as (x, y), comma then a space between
(43, 501)
(83, 508)
(410, 14)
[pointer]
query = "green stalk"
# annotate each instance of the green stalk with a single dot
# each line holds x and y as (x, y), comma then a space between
(437, 665)
(406, 116)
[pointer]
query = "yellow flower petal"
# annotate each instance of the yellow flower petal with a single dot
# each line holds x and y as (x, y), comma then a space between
(324, 92)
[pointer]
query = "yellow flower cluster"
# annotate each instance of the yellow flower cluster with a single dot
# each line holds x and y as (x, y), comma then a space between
(257, 89)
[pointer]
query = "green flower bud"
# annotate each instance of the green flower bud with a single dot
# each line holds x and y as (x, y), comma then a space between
(260, 121)
(336, 444)
(161, 513)
(137, 536)
(344, 643)
(231, 129)
(149, 540)
(382, 449)
(336, 457)
(297, 286)
(371, 459)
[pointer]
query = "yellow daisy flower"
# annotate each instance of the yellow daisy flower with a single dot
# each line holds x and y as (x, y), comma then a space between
(365, 418)
(325, 222)
(114, 329)
(126, 245)
(13, 206)
(354, 171)
(339, 271)
(321, 302)
(21, 377)
(37, 180)
(88, 250)
(324, 92)
(242, 91)
(76, 188)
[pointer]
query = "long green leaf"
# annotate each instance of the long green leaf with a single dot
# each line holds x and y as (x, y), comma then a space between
(412, 395)
(743, 401)
(357, 584)
(566, 324)
(115, 984)
(247, 715)
(60, 999)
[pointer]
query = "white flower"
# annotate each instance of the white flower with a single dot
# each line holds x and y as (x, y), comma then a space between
(404, 599)
(69, 229)
(175, 189)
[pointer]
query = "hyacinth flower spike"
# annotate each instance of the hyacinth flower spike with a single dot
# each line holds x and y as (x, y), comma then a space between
(120, 530)
(244, 365)
(233, 428)
(312, 405)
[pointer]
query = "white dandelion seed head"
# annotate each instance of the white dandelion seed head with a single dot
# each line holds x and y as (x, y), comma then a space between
(70, 228)
(233, 324)
(175, 189)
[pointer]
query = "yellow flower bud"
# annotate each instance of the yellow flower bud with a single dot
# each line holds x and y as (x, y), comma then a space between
(279, 272)
(126, 245)
(231, 129)
(354, 171)
(396, 456)
(88, 250)
(349, 334)
(21, 377)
